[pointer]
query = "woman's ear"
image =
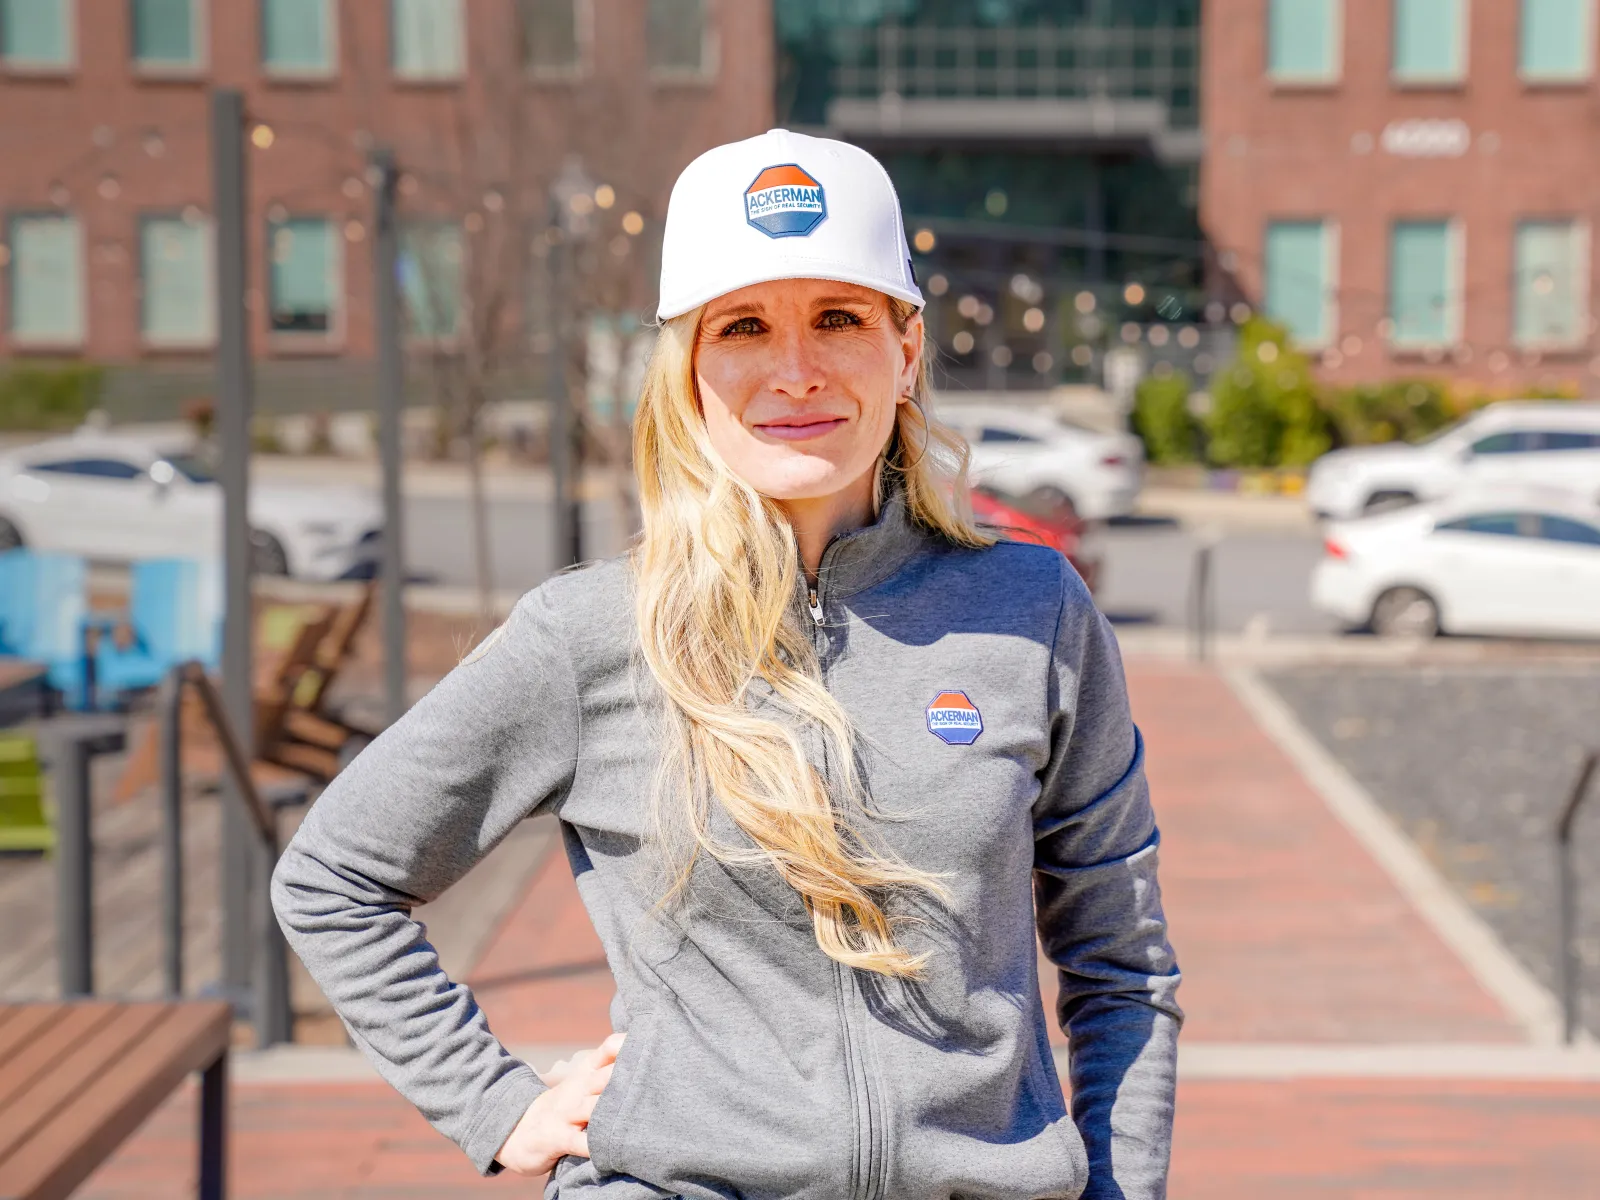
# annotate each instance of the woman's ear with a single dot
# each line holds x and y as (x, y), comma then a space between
(911, 356)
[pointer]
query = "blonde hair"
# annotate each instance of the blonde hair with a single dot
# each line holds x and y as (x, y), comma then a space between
(717, 571)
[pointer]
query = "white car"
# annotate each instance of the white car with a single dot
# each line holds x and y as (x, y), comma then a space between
(1048, 461)
(112, 498)
(1534, 442)
(1519, 562)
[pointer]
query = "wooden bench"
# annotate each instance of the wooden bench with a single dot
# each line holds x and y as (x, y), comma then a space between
(77, 1078)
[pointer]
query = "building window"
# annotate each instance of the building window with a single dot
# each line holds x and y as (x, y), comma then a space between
(432, 257)
(297, 36)
(426, 39)
(1551, 283)
(1557, 40)
(1423, 283)
(36, 33)
(1430, 41)
(175, 261)
(166, 33)
(675, 38)
(1299, 279)
(550, 36)
(304, 276)
(47, 279)
(1303, 40)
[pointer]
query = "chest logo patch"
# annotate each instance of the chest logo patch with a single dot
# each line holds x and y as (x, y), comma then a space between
(954, 719)
(784, 201)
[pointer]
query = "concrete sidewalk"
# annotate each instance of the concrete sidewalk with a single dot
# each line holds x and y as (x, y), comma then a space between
(1347, 1036)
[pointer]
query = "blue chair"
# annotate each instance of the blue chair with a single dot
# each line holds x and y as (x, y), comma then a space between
(44, 611)
(175, 610)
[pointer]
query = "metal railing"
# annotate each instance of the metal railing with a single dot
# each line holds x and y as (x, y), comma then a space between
(1023, 62)
(269, 1004)
(1567, 903)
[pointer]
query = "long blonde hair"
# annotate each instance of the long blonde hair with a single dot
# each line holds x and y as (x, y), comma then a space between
(717, 573)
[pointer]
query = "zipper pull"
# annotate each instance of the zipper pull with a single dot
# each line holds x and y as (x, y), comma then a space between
(815, 604)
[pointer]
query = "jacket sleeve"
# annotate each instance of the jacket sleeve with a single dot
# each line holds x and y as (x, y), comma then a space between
(490, 744)
(1099, 912)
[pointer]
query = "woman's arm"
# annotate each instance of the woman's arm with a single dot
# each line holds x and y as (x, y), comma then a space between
(493, 742)
(1099, 912)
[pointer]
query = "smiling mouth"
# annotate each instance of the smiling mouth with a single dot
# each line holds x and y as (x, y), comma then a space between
(802, 429)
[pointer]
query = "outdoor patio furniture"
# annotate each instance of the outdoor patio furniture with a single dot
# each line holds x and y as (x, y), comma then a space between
(77, 1078)
(44, 615)
(24, 825)
(174, 614)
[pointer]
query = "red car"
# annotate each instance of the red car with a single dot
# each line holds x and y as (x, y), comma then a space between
(1060, 531)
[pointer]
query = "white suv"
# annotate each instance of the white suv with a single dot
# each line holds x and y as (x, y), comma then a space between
(1549, 443)
(1038, 456)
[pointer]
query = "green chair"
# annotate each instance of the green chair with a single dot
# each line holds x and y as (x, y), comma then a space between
(23, 824)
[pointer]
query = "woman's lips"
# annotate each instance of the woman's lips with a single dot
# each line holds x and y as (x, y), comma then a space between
(802, 432)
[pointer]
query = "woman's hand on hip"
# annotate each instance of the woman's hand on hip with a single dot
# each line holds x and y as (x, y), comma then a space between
(556, 1123)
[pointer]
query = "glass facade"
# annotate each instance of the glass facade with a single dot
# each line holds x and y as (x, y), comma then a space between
(176, 268)
(35, 33)
(550, 34)
(1011, 227)
(47, 279)
(1430, 41)
(297, 36)
(432, 262)
(1557, 40)
(166, 33)
(1423, 300)
(1303, 40)
(426, 39)
(1299, 284)
(1550, 283)
(304, 275)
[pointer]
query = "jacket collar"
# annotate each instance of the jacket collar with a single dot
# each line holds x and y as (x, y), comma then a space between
(867, 556)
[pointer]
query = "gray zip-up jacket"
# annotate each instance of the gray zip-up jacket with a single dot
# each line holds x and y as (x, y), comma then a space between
(996, 744)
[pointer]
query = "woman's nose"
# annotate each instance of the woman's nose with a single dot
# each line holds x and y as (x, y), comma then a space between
(794, 370)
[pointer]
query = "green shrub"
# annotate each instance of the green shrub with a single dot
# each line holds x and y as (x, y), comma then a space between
(1264, 405)
(41, 396)
(1400, 410)
(1162, 419)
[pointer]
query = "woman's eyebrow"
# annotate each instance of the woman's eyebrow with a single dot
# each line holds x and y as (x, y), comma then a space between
(733, 314)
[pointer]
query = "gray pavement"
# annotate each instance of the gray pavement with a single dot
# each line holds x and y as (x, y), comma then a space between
(1474, 763)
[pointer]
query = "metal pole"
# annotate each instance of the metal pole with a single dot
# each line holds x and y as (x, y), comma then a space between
(1567, 900)
(274, 1016)
(233, 426)
(391, 385)
(568, 536)
(1200, 601)
(74, 869)
(172, 830)
(213, 1182)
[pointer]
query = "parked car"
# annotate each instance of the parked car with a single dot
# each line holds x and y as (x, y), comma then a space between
(1514, 562)
(1059, 531)
(117, 499)
(1506, 443)
(1049, 462)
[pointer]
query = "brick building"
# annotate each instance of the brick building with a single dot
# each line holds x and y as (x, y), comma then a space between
(105, 178)
(1410, 185)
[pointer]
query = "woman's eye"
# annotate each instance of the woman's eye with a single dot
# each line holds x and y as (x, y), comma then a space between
(743, 327)
(837, 318)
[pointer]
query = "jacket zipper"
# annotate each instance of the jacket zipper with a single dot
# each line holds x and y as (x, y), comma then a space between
(865, 1164)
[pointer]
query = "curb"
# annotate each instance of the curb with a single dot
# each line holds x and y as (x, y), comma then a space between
(1479, 948)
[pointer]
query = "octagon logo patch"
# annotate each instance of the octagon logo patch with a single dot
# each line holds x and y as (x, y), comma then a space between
(954, 719)
(784, 201)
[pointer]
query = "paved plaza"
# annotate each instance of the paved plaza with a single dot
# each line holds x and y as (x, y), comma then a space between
(1353, 1031)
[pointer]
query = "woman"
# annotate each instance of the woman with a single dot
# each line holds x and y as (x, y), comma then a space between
(824, 757)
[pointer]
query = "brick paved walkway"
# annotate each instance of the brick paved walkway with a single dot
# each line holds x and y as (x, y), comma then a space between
(1287, 933)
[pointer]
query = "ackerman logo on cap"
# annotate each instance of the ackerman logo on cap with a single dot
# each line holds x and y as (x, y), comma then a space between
(784, 201)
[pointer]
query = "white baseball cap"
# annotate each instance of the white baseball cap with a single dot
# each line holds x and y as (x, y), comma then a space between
(782, 206)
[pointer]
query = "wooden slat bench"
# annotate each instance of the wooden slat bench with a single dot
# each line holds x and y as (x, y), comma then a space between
(76, 1079)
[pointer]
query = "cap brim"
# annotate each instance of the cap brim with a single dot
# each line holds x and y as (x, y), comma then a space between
(837, 273)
